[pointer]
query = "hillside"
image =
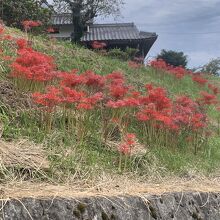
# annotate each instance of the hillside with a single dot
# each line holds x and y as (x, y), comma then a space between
(102, 118)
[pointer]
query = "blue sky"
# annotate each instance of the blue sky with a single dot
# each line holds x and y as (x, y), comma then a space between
(191, 26)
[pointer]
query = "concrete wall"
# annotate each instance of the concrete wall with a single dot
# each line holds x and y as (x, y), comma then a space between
(172, 206)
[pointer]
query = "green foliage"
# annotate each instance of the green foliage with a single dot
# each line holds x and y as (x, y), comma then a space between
(173, 58)
(213, 67)
(126, 55)
(118, 54)
(16, 11)
(131, 52)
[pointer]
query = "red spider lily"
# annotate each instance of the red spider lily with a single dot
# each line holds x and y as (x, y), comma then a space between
(214, 89)
(89, 103)
(85, 106)
(118, 91)
(33, 65)
(98, 45)
(1, 29)
(135, 94)
(49, 99)
(134, 65)
(179, 72)
(186, 113)
(198, 121)
(128, 143)
(8, 38)
(207, 99)
(94, 99)
(92, 79)
(21, 43)
(158, 96)
(115, 76)
(28, 24)
(126, 102)
(124, 148)
(71, 96)
(50, 30)
(200, 80)
(130, 139)
(116, 104)
(71, 79)
(159, 64)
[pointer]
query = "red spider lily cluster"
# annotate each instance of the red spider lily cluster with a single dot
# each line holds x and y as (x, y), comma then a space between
(199, 79)
(207, 98)
(98, 45)
(32, 65)
(79, 95)
(179, 72)
(88, 91)
(28, 24)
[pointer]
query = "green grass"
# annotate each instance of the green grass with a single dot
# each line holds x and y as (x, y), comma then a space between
(92, 158)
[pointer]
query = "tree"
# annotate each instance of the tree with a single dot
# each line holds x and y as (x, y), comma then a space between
(85, 10)
(16, 11)
(173, 58)
(212, 67)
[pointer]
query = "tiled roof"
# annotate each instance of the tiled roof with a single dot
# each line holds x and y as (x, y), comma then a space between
(102, 32)
(60, 19)
(117, 31)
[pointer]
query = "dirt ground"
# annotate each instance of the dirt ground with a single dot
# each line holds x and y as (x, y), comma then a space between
(113, 187)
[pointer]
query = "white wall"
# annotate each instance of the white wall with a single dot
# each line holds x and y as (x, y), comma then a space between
(65, 31)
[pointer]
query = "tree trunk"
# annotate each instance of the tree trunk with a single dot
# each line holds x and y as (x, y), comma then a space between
(77, 22)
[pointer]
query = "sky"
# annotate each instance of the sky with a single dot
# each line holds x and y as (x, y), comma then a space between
(191, 26)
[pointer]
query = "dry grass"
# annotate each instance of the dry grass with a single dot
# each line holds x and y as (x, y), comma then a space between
(116, 186)
(23, 155)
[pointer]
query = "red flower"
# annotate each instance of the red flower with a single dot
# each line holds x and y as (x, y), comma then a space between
(22, 43)
(85, 106)
(50, 30)
(49, 99)
(28, 24)
(92, 79)
(33, 65)
(200, 80)
(71, 79)
(124, 148)
(214, 89)
(8, 37)
(98, 45)
(1, 29)
(71, 95)
(207, 99)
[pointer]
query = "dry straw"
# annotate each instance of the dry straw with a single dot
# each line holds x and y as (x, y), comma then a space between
(23, 154)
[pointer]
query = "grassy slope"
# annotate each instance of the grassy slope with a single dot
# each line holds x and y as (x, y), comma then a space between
(93, 159)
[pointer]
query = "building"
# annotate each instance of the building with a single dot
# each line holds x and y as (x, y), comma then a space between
(116, 35)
